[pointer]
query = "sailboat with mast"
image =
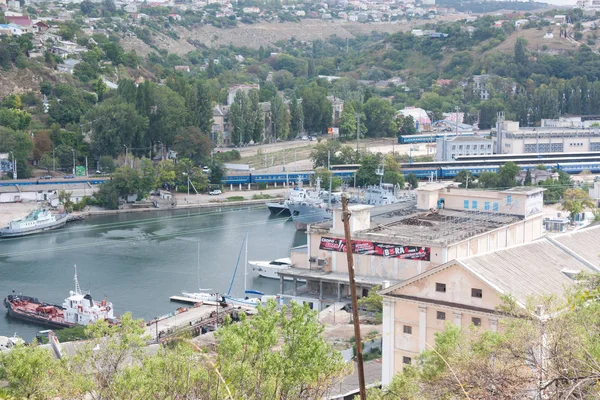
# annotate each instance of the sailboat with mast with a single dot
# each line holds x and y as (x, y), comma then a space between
(202, 294)
(246, 301)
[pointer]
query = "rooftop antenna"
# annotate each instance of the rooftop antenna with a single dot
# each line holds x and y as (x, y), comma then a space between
(77, 288)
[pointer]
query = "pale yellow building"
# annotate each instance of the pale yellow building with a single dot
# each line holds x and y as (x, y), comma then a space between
(399, 241)
(468, 291)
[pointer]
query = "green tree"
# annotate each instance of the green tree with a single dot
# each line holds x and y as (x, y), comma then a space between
(114, 124)
(166, 114)
(527, 180)
(348, 122)
(324, 151)
(100, 88)
(106, 164)
(520, 52)
(14, 118)
(373, 302)
(412, 180)
(239, 112)
(191, 143)
(406, 125)
(365, 175)
(20, 144)
(165, 173)
(325, 176)
(127, 90)
(280, 117)
(507, 173)
(317, 110)
(256, 117)
(296, 117)
(282, 352)
(488, 180)
(464, 176)
(379, 118)
(575, 201)
(25, 369)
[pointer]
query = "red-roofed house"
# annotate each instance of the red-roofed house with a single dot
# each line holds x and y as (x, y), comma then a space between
(40, 27)
(176, 17)
(24, 23)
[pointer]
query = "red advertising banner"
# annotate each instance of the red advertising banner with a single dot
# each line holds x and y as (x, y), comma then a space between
(377, 249)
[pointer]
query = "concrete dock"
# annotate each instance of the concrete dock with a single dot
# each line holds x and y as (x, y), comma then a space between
(187, 317)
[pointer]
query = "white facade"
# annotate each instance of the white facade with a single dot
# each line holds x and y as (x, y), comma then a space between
(449, 148)
(517, 140)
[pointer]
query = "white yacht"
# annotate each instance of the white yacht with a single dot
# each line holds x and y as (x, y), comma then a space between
(271, 269)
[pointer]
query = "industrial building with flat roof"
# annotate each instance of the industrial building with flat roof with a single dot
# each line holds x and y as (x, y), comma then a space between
(469, 290)
(512, 139)
(397, 242)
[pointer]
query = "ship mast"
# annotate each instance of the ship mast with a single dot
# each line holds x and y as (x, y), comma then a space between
(77, 288)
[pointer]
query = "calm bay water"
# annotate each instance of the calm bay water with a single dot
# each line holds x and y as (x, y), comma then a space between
(139, 260)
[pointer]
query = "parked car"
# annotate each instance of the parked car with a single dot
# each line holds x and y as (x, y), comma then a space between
(206, 170)
(313, 138)
(46, 177)
(304, 137)
(215, 192)
(68, 176)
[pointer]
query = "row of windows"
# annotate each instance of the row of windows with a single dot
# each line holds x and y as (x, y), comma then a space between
(575, 144)
(486, 205)
(468, 147)
(441, 287)
(543, 147)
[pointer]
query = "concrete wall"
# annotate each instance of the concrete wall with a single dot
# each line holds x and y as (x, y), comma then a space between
(422, 317)
(512, 202)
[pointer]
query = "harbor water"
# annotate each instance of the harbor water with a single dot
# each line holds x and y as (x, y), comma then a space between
(139, 260)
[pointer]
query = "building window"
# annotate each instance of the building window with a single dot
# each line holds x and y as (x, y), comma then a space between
(441, 315)
(406, 360)
(474, 204)
(496, 207)
(486, 206)
(466, 204)
(440, 287)
(476, 293)
(408, 329)
(453, 147)
(476, 321)
(509, 199)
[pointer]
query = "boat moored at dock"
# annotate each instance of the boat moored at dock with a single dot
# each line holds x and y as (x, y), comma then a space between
(36, 222)
(78, 309)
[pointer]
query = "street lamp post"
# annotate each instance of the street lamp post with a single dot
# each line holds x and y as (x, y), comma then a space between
(125, 153)
(73, 150)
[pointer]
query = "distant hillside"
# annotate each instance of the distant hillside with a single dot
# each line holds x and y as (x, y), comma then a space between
(479, 6)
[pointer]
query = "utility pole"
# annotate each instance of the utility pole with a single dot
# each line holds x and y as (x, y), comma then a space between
(357, 131)
(73, 150)
(361, 371)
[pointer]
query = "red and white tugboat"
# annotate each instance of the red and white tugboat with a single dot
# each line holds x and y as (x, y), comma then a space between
(78, 309)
